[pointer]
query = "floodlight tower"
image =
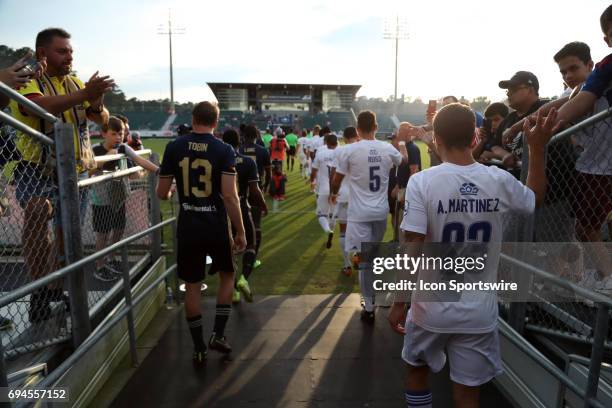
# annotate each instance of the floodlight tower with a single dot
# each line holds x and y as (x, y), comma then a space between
(169, 31)
(396, 29)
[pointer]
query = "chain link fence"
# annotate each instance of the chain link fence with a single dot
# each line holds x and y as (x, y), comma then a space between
(572, 231)
(111, 207)
(29, 249)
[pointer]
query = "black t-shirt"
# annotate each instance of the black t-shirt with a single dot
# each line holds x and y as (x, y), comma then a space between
(197, 161)
(510, 120)
(399, 176)
(247, 173)
(259, 154)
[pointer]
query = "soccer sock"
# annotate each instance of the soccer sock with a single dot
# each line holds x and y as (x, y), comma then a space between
(332, 223)
(324, 221)
(257, 241)
(248, 259)
(418, 399)
(222, 315)
(345, 254)
(195, 328)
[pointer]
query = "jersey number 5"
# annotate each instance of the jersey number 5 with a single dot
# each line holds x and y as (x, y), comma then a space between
(374, 179)
(203, 187)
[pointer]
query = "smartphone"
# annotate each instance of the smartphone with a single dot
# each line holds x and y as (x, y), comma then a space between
(431, 107)
(31, 67)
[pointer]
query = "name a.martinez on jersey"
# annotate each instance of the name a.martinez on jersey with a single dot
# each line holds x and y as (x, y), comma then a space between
(469, 205)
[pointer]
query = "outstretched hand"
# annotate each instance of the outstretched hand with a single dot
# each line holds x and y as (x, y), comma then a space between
(538, 136)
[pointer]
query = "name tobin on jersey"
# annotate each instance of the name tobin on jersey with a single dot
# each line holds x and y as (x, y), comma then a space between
(469, 205)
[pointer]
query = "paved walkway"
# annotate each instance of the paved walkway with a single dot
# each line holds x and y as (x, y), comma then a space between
(289, 351)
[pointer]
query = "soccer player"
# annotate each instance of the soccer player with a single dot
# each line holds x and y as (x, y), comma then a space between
(291, 140)
(340, 202)
(366, 166)
(314, 142)
(204, 169)
(262, 160)
(319, 178)
(248, 190)
(464, 329)
(302, 155)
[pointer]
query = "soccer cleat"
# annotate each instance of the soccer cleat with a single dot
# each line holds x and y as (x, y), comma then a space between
(257, 264)
(356, 260)
(199, 357)
(367, 317)
(219, 343)
(5, 324)
(245, 289)
(347, 271)
(330, 237)
(236, 297)
(281, 197)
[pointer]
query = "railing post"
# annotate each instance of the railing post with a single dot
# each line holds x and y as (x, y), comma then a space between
(154, 215)
(127, 292)
(599, 336)
(71, 229)
(177, 292)
(3, 376)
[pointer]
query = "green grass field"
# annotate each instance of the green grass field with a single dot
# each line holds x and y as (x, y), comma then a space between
(293, 254)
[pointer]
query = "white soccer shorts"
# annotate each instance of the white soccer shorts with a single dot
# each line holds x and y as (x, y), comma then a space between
(360, 232)
(474, 358)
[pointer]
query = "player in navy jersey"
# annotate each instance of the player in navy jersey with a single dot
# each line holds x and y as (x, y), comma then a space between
(205, 174)
(248, 191)
(264, 169)
(464, 331)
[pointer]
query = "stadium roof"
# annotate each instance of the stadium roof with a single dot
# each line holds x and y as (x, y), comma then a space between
(214, 85)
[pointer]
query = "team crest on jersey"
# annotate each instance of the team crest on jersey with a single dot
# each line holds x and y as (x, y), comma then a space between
(468, 189)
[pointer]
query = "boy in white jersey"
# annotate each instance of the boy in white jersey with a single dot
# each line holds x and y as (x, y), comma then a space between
(366, 165)
(319, 177)
(340, 202)
(466, 329)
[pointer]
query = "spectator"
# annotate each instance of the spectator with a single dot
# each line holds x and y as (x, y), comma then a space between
(593, 196)
(494, 115)
(108, 200)
(575, 64)
(65, 96)
(399, 175)
(127, 136)
(447, 100)
(136, 143)
(523, 96)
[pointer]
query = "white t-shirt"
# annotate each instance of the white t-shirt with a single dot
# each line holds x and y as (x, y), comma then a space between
(322, 162)
(463, 203)
(596, 142)
(343, 193)
(365, 166)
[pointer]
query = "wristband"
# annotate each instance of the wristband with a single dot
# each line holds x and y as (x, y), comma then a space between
(402, 143)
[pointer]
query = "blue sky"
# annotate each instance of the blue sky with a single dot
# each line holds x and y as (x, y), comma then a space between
(461, 48)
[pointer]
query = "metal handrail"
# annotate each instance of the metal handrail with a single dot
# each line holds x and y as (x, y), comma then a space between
(109, 176)
(28, 104)
(528, 349)
(39, 283)
(119, 156)
(25, 129)
(586, 293)
(95, 336)
(581, 125)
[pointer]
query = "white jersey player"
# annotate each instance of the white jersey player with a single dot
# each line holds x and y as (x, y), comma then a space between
(321, 167)
(302, 156)
(341, 201)
(461, 201)
(365, 166)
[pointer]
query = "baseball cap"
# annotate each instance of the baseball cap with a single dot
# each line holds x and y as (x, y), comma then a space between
(521, 78)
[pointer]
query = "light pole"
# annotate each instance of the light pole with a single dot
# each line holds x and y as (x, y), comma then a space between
(396, 30)
(168, 31)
